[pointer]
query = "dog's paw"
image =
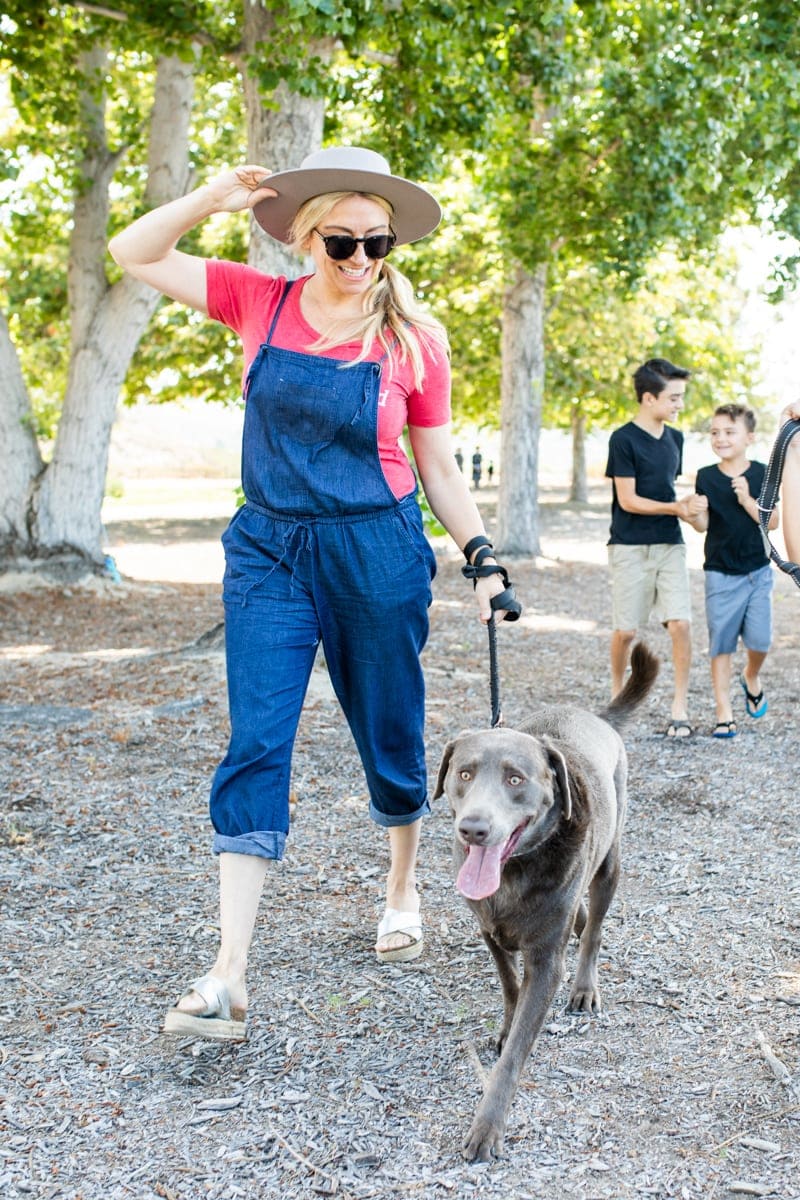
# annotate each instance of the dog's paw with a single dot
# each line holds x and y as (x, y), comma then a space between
(585, 1000)
(484, 1141)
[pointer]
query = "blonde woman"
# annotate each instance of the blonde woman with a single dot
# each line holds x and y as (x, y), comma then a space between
(329, 546)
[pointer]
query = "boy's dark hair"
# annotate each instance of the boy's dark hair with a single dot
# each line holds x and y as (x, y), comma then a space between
(735, 411)
(654, 375)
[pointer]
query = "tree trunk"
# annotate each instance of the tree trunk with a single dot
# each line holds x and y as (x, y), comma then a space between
(20, 461)
(50, 516)
(578, 492)
(278, 136)
(521, 412)
(63, 502)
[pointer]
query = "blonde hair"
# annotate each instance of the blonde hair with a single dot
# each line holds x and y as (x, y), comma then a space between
(392, 314)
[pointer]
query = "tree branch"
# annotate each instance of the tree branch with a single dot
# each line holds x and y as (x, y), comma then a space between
(99, 10)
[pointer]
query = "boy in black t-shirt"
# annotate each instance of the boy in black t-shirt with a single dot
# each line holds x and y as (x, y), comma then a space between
(646, 552)
(738, 576)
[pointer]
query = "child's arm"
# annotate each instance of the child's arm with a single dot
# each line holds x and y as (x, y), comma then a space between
(698, 517)
(750, 503)
(630, 500)
(699, 520)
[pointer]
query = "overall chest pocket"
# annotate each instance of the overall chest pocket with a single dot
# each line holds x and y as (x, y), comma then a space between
(311, 410)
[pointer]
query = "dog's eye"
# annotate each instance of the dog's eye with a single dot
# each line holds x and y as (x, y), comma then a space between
(465, 776)
(515, 780)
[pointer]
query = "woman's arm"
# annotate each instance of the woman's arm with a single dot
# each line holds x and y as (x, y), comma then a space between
(790, 491)
(451, 501)
(146, 249)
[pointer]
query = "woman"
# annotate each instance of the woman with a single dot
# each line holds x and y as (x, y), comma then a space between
(329, 545)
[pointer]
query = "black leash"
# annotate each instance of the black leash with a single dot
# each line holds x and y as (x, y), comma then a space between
(507, 600)
(770, 490)
(494, 675)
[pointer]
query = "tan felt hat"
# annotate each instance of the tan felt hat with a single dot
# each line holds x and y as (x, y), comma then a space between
(347, 169)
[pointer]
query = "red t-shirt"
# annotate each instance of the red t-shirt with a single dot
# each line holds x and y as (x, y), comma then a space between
(245, 300)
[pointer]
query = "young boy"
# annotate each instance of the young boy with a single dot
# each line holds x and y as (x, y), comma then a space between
(646, 551)
(738, 576)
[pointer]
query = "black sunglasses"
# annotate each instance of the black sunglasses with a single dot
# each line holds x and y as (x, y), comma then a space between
(340, 246)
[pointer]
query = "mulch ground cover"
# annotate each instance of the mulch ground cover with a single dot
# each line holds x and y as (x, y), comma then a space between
(359, 1080)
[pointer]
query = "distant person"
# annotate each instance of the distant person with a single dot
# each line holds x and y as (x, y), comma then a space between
(738, 574)
(477, 468)
(490, 473)
(329, 547)
(646, 551)
(459, 460)
(790, 492)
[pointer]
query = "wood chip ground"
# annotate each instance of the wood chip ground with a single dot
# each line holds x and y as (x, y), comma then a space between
(358, 1081)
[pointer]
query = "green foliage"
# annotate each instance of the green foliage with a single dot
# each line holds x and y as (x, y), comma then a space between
(686, 313)
(41, 149)
(459, 274)
(432, 527)
(591, 137)
(609, 129)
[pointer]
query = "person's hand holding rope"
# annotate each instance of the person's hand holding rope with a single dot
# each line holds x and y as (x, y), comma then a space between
(490, 580)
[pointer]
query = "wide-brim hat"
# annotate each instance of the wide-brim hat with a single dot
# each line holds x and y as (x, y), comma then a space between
(347, 169)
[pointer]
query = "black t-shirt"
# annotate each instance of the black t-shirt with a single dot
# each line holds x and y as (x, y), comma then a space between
(734, 544)
(654, 463)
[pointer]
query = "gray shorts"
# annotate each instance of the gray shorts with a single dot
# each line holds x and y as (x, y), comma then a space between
(739, 606)
(648, 579)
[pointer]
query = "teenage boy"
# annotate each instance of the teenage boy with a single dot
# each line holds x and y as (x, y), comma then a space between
(738, 575)
(646, 551)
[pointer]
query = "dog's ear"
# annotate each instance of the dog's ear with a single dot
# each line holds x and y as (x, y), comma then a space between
(444, 766)
(558, 765)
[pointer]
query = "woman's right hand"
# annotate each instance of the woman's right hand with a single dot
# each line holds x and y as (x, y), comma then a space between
(239, 188)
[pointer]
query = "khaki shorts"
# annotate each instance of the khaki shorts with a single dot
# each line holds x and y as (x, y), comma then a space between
(648, 579)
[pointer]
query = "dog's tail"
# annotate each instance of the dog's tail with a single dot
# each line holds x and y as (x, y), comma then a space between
(644, 669)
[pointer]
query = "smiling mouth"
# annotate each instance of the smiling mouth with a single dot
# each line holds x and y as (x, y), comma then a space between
(511, 844)
(354, 272)
(481, 870)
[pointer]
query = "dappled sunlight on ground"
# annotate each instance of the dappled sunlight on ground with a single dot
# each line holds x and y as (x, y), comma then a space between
(553, 623)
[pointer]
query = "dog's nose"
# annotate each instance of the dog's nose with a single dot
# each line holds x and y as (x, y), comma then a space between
(474, 830)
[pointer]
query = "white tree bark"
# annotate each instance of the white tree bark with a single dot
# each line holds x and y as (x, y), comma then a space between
(278, 136)
(20, 461)
(521, 412)
(579, 492)
(52, 514)
(106, 322)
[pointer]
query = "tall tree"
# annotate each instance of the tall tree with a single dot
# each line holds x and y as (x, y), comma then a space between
(599, 134)
(651, 116)
(86, 104)
(50, 511)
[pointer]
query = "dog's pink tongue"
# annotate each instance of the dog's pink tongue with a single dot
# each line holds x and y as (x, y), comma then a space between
(480, 875)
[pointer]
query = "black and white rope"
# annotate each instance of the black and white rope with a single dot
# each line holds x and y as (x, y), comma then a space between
(770, 491)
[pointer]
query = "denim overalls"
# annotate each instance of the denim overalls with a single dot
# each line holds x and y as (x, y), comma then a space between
(321, 551)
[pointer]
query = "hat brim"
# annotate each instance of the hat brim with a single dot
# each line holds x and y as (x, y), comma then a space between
(416, 213)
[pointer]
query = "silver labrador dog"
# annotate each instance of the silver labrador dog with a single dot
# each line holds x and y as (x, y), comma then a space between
(538, 818)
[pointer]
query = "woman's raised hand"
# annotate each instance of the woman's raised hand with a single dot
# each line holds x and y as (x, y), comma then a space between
(239, 188)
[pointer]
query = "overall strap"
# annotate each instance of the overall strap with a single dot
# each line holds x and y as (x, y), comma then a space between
(769, 495)
(288, 287)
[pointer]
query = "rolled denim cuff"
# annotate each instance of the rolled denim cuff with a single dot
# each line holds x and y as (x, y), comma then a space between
(388, 820)
(263, 844)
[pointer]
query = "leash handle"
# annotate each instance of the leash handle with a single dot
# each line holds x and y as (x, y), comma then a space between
(770, 490)
(494, 677)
